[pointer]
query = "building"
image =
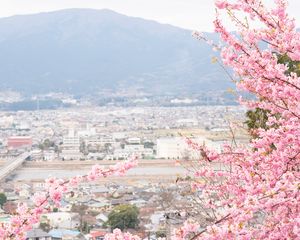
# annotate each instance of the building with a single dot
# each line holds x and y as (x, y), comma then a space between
(134, 140)
(99, 140)
(187, 122)
(50, 155)
(37, 234)
(62, 220)
(71, 147)
(36, 155)
(177, 147)
(171, 148)
(66, 234)
(133, 150)
(96, 156)
(96, 235)
(17, 142)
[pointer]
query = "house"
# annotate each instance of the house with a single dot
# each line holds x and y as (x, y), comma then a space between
(89, 219)
(24, 193)
(138, 202)
(65, 207)
(37, 234)
(98, 206)
(101, 219)
(2, 212)
(65, 234)
(99, 191)
(10, 207)
(63, 220)
(96, 235)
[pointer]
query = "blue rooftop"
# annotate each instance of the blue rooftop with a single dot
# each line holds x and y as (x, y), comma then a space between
(59, 233)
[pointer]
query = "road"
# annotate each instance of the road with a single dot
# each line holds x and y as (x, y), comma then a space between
(8, 168)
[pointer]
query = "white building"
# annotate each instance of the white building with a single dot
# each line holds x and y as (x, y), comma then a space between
(6, 121)
(62, 220)
(99, 140)
(71, 147)
(50, 155)
(37, 155)
(177, 147)
(89, 131)
(170, 148)
(187, 122)
(133, 150)
(96, 156)
(134, 140)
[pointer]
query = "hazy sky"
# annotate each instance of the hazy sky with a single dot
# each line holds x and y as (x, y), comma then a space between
(191, 14)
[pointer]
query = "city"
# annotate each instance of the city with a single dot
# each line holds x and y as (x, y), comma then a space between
(68, 142)
(149, 120)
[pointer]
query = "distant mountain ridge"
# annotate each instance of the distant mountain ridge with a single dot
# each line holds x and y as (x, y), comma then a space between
(85, 50)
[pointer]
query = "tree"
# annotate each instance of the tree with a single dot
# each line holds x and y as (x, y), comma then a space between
(256, 194)
(124, 217)
(81, 210)
(258, 118)
(292, 65)
(86, 228)
(83, 148)
(45, 226)
(3, 199)
(46, 144)
(149, 144)
(161, 233)
(107, 147)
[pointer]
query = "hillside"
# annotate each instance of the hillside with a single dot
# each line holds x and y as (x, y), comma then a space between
(84, 50)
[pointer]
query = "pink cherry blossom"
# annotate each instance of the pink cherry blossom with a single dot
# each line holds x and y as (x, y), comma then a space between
(118, 235)
(256, 194)
(54, 190)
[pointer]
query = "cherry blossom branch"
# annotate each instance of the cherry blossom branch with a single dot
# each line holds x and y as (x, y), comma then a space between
(55, 188)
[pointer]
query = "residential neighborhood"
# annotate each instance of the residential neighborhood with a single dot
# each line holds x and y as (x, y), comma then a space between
(68, 142)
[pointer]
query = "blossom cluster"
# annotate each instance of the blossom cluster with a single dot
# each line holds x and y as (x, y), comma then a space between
(55, 188)
(256, 194)
(118, 235)
(188, 229)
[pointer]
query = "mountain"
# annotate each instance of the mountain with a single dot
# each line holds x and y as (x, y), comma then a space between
(83, 50)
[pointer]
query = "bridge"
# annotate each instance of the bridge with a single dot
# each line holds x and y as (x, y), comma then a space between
(8, 168)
